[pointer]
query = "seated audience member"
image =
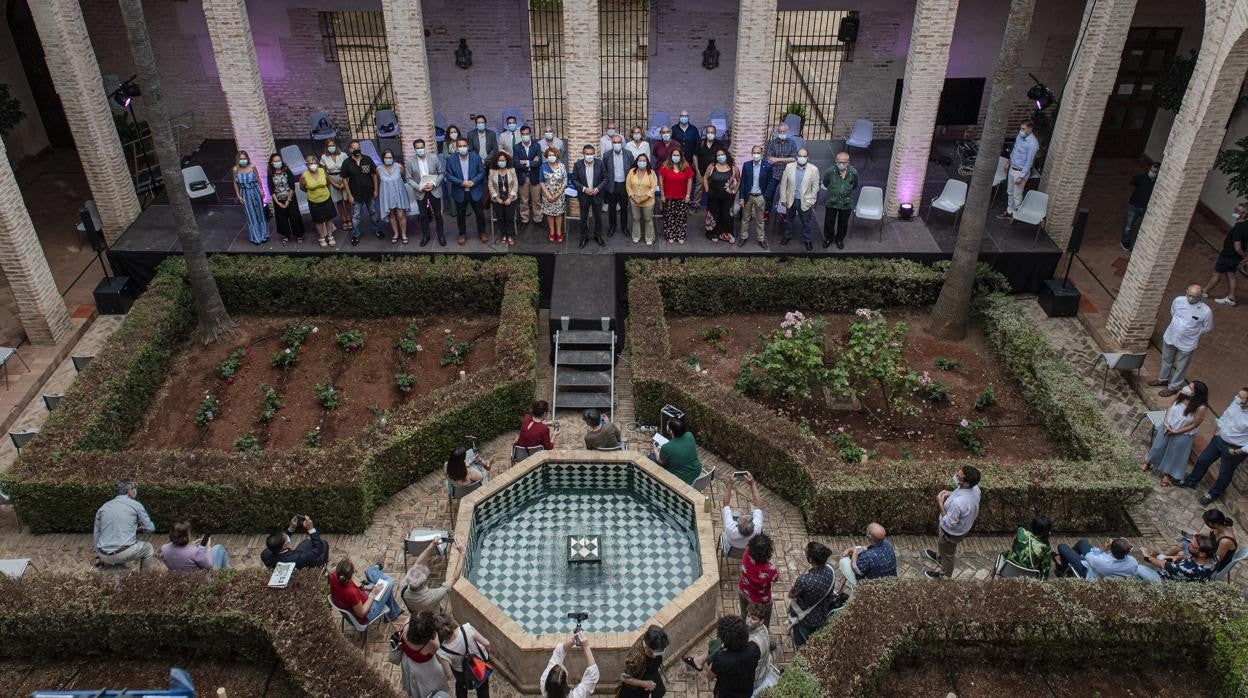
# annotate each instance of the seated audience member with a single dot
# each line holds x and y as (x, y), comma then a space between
(415, 590)
(764, 677)
(680, 454)
(811, 594)
(739, 528)
(352, 597)
(424, 672)
(117, 521)
(876, 560)
(459, 472)
(602, 433)
(732, 667)
(1031, 547)
(1197, 566)
(555, 681)
(534, 431)
(643, 667)
(1220, 530)
(180, 555)
(1096, 563)
(313, 552)
(457, 642)
(757, 574)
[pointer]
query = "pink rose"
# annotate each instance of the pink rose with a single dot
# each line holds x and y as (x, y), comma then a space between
(965, 423)
(229, 381)
(247, 351)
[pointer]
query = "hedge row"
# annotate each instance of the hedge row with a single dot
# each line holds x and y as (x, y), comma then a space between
(71, 466)
(230, 617)
(892, 624)
(1087, 491)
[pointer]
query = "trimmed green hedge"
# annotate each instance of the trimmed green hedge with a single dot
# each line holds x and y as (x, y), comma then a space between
(892, 624)
(230, 617)
(70, 468)
(1088, 491)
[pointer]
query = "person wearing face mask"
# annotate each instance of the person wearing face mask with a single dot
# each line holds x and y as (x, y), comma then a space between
(482, 140)
(604, 143)
(675, 190)
(424, 178)
(1189, 319)
(641, 185)
(466, 174)
(527, 156)
(959, 508)
(1229, 443)
(392, 195)
(703, 158)
(554, 178)
(360, 172)
(1172, 440)
(643, 667)
(315, 182)
(332, 160)
(1141, 191)
(687, 136)
(757, 187)
(799, 187)
(510, 136)
(780, 151)
(664, 148)
(549, 140)
(1234, 256)
(588, 177)
(247, 189)
(618, 163)
(721, 180)
(446, 150)
(1022, 157)
(286, 217)
(840, 181)
(637, 143)
(503, 194)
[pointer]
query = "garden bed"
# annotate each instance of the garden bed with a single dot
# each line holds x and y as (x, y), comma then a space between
(930, 435)
(21, 678)
(1086, 679)
(364, 379)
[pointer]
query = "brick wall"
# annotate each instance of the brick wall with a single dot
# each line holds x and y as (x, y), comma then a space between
(679, 30)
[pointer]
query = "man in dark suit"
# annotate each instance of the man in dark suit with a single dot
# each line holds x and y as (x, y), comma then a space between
(313, 552)
(757, 187)
(616, 164)
(527, 155)
(482, 140)
(467, 177)
(588, 177)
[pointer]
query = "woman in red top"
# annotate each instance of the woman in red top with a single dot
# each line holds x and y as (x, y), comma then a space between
(757, 575)
(534, 432)
(367, 602)
(424, 672)
(676, 180)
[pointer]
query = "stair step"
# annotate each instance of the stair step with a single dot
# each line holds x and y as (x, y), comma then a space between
(584, 337)
(584, 379)
(581, 401)
(576, 357)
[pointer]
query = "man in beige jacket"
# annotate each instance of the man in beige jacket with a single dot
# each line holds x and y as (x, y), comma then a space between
(799, 188)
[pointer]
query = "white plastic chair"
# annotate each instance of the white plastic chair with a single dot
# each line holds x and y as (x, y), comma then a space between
(1224, 575)
(321, 127)
(349, 617)
(196, 182)
(292, 157)
(952, 199)
(15, 568)
(1154, 417)
(870, 206)
(720, 120)
(1035, 207)
(386, 123)
(658, 121)
(369, 148)
(1003, 171)
(861, 136)
(794, 122)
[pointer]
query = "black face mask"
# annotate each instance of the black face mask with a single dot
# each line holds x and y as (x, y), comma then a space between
(355, 152)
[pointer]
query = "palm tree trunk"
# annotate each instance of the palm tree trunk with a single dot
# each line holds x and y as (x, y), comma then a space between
(214, 321)
(951, 313)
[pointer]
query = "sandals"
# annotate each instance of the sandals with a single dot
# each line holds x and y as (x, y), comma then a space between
(331, 241)
(404, 241)
(323, 243)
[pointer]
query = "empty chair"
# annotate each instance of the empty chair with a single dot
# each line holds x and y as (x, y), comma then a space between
(658, 121)
(23, 437)
(15, 568)
(870, 206)
(519, 453)
(952, 200)
(321, 127)
(798, 143)
(719, 119)
(703, 480)
(1006, 569)
(1003, 171)
(7, 353)
(349, 617)
(794, 122)
(861, 136)
(1154, 417)
(387, 123)
(369, 148)
(196, 182)
(292, 156)
(1224, 574)
(1035, 207)
(51, 400)
(80, 362)
(1122, 362)
(439, 126)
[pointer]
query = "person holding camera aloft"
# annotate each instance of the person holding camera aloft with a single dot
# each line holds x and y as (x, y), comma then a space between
(554, 680)
(415, 591)
(313, 552)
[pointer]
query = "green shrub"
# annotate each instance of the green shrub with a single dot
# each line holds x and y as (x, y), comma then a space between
(455, 352)
(986, 398)
(408, 344)
(285, 358)
(946, 364)
(247, 443)
(227, 368)
(270, 404)
(208, 411)
(405, 382)
(327, 394)
(790, 362)
(350, 340)
(294, 335)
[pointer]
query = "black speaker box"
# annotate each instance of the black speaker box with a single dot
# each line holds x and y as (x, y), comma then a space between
(114, 296)
(1059, 299)
(1076, 231)
(847, 32)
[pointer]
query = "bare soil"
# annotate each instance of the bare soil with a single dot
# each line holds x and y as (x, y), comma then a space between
(20, 678)
(365, 380)
(981, 680)
(1014, 434)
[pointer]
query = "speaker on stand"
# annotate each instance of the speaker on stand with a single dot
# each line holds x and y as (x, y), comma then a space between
(113, 295)
(1061, 298)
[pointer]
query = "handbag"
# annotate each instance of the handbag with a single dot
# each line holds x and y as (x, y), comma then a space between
(395, 654)
(475, 669)
(797, 613)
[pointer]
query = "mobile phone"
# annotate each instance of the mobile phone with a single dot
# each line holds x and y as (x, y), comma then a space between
(739, 474)
(299, 519)
(204, 541)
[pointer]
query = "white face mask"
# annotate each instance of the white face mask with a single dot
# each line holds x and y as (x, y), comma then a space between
(512, 127)
(589, 159)
(667, 137)
(758, 157)
(1152, 175)
(463, 150)
(801, 159)
(552, 159)
(610, 132)
(956, 484)
(525, 138)
(842, 166)
(502, 163)
(617, 147)
(420, 152)
(782, 136)
(710, 136)
(1022, 133)
(549, 135)
(675, 158)
(636, 136)
(312, 166)
(1186, 391)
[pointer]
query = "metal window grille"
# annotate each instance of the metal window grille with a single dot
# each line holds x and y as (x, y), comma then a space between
(356, 42)
(806, 68)
(546, 33)
(624, 41)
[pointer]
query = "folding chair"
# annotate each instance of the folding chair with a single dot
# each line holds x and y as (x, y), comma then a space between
(321, 127)
(952, 199)
(1121, 362)
(196, 182)
(348, 616)
(7, 353)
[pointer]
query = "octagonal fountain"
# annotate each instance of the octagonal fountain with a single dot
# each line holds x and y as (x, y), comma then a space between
(611, 534)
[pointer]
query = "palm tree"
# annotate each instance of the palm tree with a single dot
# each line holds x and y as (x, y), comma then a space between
(951, 313)
(214, 321)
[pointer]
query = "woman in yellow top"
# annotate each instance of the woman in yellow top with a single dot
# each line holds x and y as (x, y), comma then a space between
(641, 183)
(315, 181)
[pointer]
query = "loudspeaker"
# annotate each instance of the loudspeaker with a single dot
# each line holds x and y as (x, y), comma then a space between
(1059, 298)
(114, 296)
(1076, 233)
(848, 31)
(94, 235)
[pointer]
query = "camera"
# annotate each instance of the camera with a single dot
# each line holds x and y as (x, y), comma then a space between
(739, 474)
(579, 617)
(444, 544)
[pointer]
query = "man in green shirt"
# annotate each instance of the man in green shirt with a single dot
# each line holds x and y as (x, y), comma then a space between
(680, 454)
(840, 182)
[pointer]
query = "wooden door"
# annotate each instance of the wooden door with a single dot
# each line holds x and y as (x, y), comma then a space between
(1132, 105)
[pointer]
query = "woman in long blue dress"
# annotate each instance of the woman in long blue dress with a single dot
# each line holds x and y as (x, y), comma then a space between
(247, 189)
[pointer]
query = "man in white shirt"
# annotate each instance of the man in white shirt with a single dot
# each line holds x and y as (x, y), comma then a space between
(740, 528)
(1113, 561)
(799, 187)
(1189, 319)
(1022, 158)
(510, 136)
(1229, 443)
(958, 509)
(604, 143)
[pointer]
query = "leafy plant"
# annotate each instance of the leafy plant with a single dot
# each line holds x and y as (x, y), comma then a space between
(714, 336)
(968, 434)
(408, 344)
(286, 358)
(207, 411)
(226, 369)
(796, 108)
(247, 443)
(350, 340)
(270, 405)
(946, 364)
(873, 362)
(935, 391)
(312, 439)
(10, 110)
(405, 382)
(986, 398)
(327, 394)
(847, 450)
(1233, 162)
(455, 351)
(295, 335)
(805, 428)
(692, 360)
(906, 454)
(790, 363)
(1172, 84)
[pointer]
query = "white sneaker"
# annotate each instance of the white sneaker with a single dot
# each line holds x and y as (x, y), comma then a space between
(1204, 294)
(1225, 301)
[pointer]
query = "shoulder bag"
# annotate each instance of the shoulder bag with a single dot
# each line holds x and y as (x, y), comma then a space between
(797, 613)
(476, 670)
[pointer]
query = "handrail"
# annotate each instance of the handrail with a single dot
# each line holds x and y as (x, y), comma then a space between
(554, 388)
(612, 360)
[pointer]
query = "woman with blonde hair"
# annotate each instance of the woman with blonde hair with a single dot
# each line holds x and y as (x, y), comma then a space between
(641, 184)
(315, 182)
(247, 188)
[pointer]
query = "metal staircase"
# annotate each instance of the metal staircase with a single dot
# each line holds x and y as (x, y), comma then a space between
(584, 368)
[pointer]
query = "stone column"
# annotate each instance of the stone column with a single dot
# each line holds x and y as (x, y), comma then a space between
(39, 305)
(76, 76)
(581, 59)
(1093, 73)
(1195, 138)
(926, 63)
(239, 72)
(751, 93)
(409, 71)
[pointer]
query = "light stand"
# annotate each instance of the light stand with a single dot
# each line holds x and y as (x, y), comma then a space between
(124, 97)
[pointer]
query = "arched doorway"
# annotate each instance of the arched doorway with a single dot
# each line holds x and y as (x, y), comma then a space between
(30, 51)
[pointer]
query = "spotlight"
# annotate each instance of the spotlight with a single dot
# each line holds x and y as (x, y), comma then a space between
(126, 92)
(905, 212)
(1040, 95)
